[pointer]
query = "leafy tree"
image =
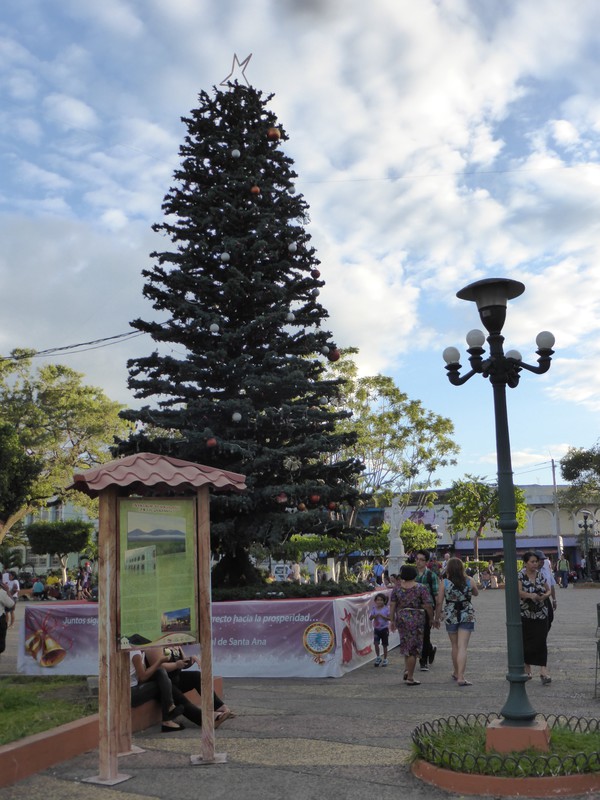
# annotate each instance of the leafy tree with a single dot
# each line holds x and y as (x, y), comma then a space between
(241, 385)
(581, 468)
(59, 538)
(18, 473)
(362, 540)
(417, 537)
(400, 443)
(60, 423)
(475, 505)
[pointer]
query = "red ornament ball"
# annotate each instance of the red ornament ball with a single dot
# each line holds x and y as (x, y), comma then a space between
(314, 498)
(274, 134)
(255, 190)
(212, 442)
(334, 355)
(282, 497)
(332, 506)
(315, 273)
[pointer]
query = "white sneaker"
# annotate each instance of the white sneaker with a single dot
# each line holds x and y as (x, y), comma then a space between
(377, 661)
(384, 663)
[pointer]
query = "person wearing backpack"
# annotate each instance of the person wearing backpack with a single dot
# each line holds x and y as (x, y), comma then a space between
(429, 579)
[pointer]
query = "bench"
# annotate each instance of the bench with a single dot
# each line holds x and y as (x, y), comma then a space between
(149, 714)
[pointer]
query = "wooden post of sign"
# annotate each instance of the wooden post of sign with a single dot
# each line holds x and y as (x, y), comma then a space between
(110, 659)
(207, 746)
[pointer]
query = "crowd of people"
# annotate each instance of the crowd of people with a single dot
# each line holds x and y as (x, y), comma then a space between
(78, 585)
(425, 595)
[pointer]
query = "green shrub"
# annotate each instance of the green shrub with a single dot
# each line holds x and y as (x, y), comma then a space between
(284, 589)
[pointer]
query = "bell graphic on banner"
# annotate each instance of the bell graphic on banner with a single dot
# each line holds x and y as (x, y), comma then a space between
(33, 644)
(52, 653)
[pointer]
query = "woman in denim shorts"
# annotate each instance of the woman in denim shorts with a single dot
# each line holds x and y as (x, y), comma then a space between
(455, 593)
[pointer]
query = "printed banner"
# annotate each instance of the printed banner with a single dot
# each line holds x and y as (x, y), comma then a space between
(308, 638)
(59, 639)
(284, 638)
(157, 572)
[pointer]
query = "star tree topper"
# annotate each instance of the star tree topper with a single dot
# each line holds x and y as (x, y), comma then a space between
(238, 68)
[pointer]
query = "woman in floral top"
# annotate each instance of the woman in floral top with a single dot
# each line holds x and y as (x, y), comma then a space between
(409, 603)
(533, 591)
(454, 596)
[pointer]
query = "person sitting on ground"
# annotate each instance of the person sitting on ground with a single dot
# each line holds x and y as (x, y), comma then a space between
(486, 579)
(38, 591)
(176, 665)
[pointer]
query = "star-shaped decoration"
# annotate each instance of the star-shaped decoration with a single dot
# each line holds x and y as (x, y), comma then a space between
(236, 66)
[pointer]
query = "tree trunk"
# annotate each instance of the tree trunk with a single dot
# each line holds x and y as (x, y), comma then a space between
(6, 525)
(63, 566)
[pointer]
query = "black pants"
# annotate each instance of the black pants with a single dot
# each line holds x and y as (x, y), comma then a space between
(186, 680)
(427, 646)
(550, 612)
(3, 629)
(161, 688)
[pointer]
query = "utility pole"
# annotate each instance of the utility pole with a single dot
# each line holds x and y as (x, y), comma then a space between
(559, 541)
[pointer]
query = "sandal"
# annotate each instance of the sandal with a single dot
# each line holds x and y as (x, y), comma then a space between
(170, 728)
(528, 675)
(464, 683)
(221, 717)
(545, 679)
(413, 683)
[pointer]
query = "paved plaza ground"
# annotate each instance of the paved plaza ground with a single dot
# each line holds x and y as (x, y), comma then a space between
(339, 739)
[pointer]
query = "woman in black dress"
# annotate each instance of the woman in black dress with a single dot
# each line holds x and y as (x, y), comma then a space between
(533, 591)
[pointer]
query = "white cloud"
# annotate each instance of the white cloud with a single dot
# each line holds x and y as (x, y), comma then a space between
(436, 143)
(69, 112)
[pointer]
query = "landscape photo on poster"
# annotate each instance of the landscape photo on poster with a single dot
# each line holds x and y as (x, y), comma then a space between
(157, 576)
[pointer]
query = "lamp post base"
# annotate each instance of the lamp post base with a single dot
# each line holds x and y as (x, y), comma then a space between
(507, 737)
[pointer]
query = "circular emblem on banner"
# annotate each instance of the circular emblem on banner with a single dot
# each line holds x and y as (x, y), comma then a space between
(318, 639)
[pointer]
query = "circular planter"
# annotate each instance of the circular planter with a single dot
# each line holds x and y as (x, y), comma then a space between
(484, 783)
(490, 785)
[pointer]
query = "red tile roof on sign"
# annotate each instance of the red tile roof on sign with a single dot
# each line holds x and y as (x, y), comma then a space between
(146, 471)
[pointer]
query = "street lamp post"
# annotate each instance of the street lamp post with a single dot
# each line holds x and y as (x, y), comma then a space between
(502, 369)
(586, 527)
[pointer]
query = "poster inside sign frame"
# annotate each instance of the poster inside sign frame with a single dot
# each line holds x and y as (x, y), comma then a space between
(157, 572)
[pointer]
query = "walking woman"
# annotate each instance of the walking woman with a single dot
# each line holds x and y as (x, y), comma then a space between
(454, 595)
(533, 591)
(410, 603)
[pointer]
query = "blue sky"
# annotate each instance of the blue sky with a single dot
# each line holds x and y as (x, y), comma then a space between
(436, 143)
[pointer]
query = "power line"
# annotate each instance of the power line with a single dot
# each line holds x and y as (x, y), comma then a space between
(94, 344)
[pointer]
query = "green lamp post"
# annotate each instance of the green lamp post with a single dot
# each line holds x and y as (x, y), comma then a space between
(502, 369)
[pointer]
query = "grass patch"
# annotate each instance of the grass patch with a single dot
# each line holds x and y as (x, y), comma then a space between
(460, 747)
(31, 704)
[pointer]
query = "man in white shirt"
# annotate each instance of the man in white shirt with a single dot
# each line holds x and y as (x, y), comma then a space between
(546, 573)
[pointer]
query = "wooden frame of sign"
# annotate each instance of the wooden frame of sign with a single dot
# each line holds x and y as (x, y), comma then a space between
(109, 482)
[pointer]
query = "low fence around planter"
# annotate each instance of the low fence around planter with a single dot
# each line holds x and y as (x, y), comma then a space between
(505, 764)
(305, 638)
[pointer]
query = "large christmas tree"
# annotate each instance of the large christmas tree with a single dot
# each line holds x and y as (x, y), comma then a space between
(242, 385)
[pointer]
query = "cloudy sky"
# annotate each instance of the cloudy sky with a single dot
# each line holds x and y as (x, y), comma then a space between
(437, 142)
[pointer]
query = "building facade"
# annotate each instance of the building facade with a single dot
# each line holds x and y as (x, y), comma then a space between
(549, 528)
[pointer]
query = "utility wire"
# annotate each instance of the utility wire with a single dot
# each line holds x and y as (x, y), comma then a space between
(94, 344)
